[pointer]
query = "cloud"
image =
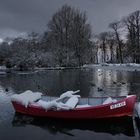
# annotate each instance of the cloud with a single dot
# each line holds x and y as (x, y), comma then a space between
(11, 33)
(20, 16)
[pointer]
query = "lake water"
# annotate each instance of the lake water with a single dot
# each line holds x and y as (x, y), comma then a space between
(90, 82)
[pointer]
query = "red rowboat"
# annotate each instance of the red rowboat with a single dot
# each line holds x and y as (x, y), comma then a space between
(123, 106)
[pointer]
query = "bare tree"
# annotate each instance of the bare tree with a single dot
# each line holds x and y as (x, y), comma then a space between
(132, 23)
(107, 43)
(70, 32)
(103, 40)
(60, 27)
(5, 52)
(116, 26)
(111, 44)
(81, 33)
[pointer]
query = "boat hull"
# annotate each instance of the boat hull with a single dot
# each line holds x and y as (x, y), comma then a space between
(120, 108)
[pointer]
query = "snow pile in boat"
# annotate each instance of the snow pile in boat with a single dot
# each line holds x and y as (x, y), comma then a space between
(70, 103)
(69, 94)
(109, 100)
(26, 97)
(81, 106)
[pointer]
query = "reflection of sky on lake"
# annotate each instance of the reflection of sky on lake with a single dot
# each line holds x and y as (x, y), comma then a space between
(110, 82)
(95, 82)
(54, 83)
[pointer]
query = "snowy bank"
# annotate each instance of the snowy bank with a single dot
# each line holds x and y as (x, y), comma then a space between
(56, 68)
(125, 67)
(3, 68)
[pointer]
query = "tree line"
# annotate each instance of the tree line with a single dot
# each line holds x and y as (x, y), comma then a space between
(122, 43)
(69, 42)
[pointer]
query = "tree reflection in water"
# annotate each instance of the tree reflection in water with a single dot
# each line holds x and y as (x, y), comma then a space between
(113, 126)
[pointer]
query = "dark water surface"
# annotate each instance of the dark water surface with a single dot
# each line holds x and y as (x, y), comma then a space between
(95, 82)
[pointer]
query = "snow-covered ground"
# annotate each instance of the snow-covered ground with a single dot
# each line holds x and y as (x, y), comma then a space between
(2, 67)
(2, 70)
(125, 67)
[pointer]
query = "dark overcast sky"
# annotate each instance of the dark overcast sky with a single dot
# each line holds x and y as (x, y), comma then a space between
(21, 16)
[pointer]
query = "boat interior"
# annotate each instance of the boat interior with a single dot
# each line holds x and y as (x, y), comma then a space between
(91, 101)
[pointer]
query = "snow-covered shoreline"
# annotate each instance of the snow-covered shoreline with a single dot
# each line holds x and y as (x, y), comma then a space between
(4, 70)
(123, 67)
(106, 66)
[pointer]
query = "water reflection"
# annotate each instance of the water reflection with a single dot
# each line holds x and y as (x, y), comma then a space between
(55, 82)
(52, 82)
(112, 126)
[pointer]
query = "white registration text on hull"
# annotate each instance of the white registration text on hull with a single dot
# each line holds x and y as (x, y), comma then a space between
(118, 105)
